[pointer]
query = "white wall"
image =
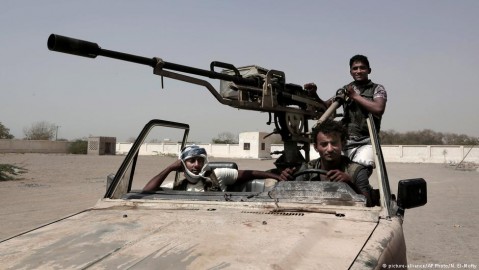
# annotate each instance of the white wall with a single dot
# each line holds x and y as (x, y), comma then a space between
(430, 153)
(392, 153)
(33, 146)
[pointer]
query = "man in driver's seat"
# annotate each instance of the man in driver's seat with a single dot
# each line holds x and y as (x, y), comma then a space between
(193, 161)
(329, 139)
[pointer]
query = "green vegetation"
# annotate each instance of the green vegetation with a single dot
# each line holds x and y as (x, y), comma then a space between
(426, 137)
(79, 146)
(5, 132)
(9, 172)
(225, 138)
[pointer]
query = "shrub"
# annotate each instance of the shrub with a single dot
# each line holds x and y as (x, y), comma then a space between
(41, 131)
(8, 172)
(5, 132)
(78, 147)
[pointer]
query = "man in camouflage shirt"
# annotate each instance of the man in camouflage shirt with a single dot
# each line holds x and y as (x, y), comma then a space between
(329, 138)
(362, 97)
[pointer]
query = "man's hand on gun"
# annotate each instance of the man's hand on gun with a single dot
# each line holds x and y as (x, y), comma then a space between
(349, 92)
(341, 95)
(311, 87)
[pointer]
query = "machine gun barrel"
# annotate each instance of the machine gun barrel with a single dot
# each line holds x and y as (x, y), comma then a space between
(259, 90)
(89, 49)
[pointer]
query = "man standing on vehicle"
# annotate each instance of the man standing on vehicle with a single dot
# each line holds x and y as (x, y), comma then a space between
(362, 97)
(193, 161)
(329, 138)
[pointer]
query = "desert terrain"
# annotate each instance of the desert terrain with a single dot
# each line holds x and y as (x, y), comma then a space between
(443, 232)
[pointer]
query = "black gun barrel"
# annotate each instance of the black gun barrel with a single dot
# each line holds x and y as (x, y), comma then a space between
(73, 46)
(89, 49)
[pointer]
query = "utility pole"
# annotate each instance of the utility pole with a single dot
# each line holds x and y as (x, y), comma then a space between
(56, 133)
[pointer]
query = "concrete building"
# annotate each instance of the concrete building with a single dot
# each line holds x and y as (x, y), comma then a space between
(254, 145)
(101, 146)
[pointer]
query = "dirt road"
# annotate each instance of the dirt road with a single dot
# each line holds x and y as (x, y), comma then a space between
(445, 231)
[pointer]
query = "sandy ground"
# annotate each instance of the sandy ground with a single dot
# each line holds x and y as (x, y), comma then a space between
(445, 231)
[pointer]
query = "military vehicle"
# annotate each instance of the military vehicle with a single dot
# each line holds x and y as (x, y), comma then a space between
(257, 225)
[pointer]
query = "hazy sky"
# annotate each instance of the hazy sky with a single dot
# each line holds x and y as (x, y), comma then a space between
(426, 54)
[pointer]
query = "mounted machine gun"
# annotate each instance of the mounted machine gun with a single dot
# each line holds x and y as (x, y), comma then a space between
(249, 88)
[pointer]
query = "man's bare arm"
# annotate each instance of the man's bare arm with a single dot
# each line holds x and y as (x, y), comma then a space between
(247, 175)
(156, 181)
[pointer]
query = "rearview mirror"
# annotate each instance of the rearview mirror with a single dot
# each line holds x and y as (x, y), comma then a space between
(412, 193)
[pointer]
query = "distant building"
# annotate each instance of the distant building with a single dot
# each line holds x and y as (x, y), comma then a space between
(255, 145)
(101, 146)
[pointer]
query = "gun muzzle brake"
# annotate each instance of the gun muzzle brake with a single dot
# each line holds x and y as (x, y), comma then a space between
(73, 46)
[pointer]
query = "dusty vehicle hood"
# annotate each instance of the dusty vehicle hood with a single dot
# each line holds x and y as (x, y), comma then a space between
(183, 235)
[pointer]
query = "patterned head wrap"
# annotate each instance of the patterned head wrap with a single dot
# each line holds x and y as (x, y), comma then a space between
(191, 152)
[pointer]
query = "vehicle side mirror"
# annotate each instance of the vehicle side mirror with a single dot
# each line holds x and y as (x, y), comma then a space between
(412, 193)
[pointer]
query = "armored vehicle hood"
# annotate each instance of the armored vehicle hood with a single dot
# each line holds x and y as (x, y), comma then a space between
(204, 235)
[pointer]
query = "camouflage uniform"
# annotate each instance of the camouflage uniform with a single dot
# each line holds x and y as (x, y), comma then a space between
(358, 147)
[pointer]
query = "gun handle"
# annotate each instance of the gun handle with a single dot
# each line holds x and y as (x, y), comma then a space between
(224, 65)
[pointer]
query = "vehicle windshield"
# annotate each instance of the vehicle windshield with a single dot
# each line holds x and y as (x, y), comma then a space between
(323, 193)
(158, 146)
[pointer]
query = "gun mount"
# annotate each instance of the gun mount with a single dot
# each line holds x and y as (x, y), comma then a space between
(248, 88)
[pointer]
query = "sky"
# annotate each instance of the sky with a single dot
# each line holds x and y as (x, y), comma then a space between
(425, 53)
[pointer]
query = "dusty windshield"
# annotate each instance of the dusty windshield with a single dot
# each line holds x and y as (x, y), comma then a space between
(159, 148)
(322, 193)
